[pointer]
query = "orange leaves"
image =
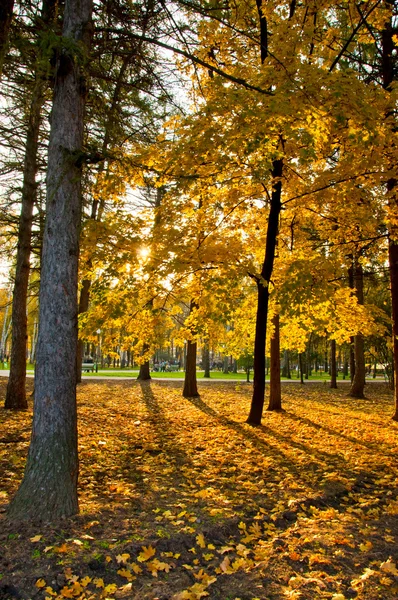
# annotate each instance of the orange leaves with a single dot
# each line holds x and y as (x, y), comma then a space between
(294, 500)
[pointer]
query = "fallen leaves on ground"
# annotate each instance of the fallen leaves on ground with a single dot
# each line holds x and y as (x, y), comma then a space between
(195, 503)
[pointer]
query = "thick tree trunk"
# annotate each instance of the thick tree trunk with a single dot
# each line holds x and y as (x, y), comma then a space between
(16, 394)
(358, 383)
(333, 365)
(49, 488)
(190, 382)
(257, 404)
(144, 373)
(6, 8)
(275, 396)
(206, 360)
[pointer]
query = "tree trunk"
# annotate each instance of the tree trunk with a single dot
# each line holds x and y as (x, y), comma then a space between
(358, 383)
(49, 488)
(83, 307)
(257, 404)
(300, 359)
(144, 373)
(206, 360)
(275, 397)
(16, 395)
(6, 9)
(389, 76)
(225, 368)
(190, 382)
(333, 366)
(286, 365)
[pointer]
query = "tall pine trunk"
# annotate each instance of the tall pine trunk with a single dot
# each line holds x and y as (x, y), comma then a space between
(16, 394)
(275, 397)
(257, 404)
(49, 487)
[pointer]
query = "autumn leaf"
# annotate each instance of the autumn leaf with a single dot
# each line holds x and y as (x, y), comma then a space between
(389, 567)
(200, 540)
(122, 558)
(146, 553)
(40, 583)
(126, 573)
(366, 546)
(36, 539)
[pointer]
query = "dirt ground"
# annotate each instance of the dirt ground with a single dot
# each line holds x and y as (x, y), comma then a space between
(181, 499)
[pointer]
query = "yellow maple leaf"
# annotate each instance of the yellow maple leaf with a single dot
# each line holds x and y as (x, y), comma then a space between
(49, 590)
(85, 581)
(122, 558)
(67, 592)
(389, 567)
(136, 568)
(126, 573)
(110, 588)
(146, 554)
(36, 538)
(98, 582)
(200, 540)
(366, 546)
(208, 556)
(40, 583)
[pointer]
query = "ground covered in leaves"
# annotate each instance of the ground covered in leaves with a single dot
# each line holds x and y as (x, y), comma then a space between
(180, 499)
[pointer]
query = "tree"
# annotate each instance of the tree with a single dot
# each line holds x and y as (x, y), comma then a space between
(16, 394)
(6, 10)
(275, 397)
(52, 463)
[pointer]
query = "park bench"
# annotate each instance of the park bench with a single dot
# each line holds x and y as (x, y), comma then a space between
(89, 366)
(173, 368)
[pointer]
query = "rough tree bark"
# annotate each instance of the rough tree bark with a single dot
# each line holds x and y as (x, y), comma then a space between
(16, 393)
(275, 396)
(358, 383)
(333, 365)
(257, 404)
(49, 487)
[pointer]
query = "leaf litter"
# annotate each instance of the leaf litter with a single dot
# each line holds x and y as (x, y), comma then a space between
(194, 503)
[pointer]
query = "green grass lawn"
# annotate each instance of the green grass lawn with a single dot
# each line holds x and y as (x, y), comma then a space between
(117, 372)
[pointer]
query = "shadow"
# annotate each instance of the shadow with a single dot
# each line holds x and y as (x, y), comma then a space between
(303, 472)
